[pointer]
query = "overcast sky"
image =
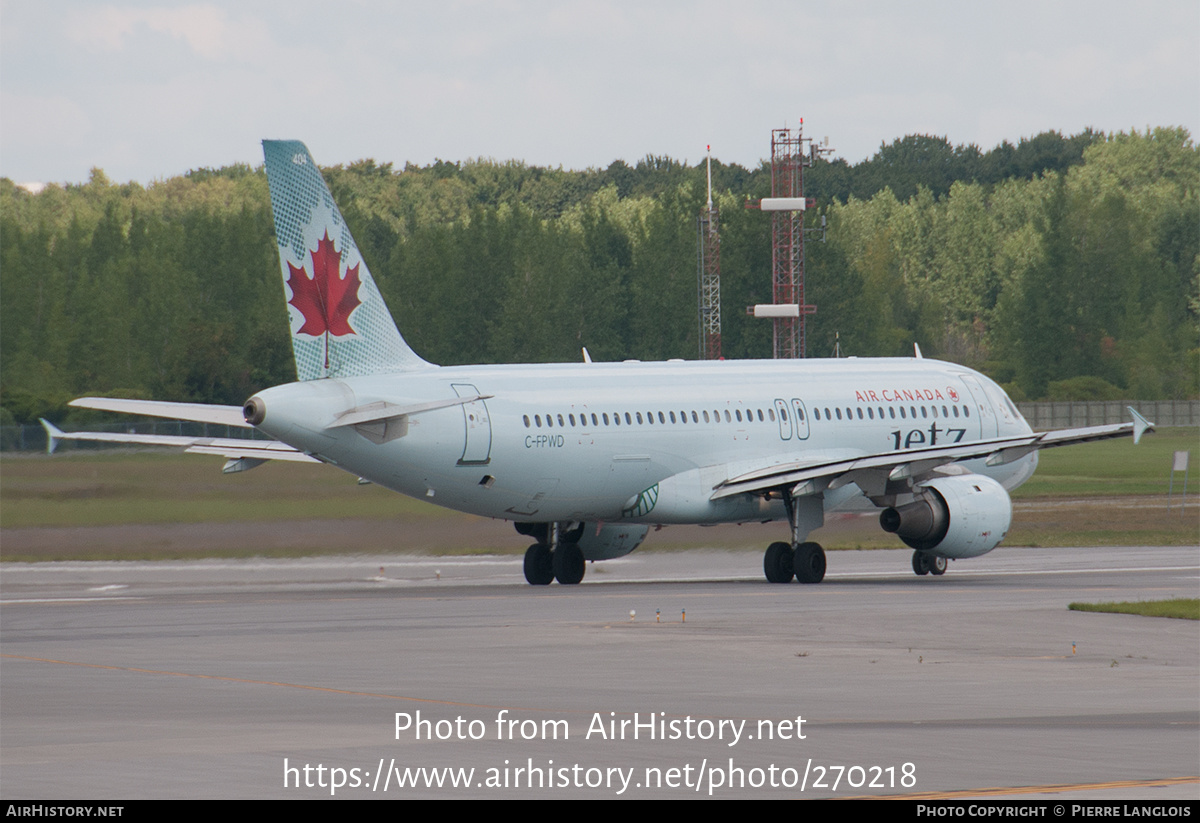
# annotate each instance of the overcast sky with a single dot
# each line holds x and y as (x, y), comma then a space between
(147, 90)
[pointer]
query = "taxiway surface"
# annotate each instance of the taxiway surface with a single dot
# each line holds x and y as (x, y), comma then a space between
(229, 678)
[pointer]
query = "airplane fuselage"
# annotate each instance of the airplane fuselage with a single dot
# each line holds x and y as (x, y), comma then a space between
(641, 442)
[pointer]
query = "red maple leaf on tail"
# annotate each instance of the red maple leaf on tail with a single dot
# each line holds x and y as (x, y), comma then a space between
(326, 299)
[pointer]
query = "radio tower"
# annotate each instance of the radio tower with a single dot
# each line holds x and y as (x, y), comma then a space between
(787, 204)
(710, 277)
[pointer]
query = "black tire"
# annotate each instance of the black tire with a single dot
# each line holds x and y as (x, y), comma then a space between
(777, 563)
(569, 564)
(809, 563)
(937, 566)
(539, 570)
(920, 564)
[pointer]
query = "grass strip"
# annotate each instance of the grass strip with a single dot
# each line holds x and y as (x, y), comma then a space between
(1184, 608)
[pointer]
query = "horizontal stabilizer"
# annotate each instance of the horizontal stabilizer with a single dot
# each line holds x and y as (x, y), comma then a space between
(378, 412)
(232, 448)
(194, 412)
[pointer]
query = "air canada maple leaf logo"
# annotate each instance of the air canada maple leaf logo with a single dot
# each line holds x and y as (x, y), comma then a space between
(327, 299)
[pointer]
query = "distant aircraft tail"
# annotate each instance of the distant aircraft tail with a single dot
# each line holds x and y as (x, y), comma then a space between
(340, 325)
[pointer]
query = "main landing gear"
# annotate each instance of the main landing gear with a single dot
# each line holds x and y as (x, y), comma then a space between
(806, 561)
(563, 562)
(800, 559)
(924, 563)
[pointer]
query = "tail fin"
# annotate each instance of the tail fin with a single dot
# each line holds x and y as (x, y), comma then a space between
(340, 325)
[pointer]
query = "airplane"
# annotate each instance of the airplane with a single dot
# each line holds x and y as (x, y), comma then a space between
(586, 458)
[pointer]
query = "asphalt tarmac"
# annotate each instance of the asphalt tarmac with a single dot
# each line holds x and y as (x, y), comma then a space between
(665, 674)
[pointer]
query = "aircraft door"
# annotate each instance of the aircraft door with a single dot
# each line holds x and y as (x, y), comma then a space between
(477, 445)
(988, 427)
(801, 415)
(785, 420)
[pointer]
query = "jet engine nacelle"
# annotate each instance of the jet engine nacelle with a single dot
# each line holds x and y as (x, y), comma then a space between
(962, 516)
(605, 541)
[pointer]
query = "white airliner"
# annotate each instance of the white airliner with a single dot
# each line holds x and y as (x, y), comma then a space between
(585, 458)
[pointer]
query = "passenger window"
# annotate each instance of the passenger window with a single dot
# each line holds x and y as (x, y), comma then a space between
(728, 418)
(526, 418)
(892, 412)
(571, 417)
(839, 413)
(860, 414)
(560, 421)
(629, 419)
(738, 414)
(903, 416)
(595, 422)
(800, 414)
(816, 414)
(706, 416)
(923, 414)
(870, 412)
(537, 418)
(604, 416)
(945, 412)
(966, 411)
(639, 418)
(955, 410)
(696, 418)
(771, 414)
(662, 419)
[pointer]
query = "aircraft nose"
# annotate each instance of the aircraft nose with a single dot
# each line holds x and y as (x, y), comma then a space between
(255, 411)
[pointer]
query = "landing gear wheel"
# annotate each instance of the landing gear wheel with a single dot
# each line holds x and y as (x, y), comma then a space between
(924, 563)
(918, 564)
(568, 563)
(809, 563)
(539, 569)
(777, 563)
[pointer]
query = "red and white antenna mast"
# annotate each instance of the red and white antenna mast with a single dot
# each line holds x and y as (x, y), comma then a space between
(788, 204)
(710, 277)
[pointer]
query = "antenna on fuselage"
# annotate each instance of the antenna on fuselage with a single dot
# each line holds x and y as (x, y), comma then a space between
(917, 351)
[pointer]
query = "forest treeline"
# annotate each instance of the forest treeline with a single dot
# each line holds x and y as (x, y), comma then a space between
(1064, 267)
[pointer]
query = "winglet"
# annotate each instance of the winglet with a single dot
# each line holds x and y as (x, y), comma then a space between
(1140, 425)
(587, 358)
(917, 351)
(53, 433)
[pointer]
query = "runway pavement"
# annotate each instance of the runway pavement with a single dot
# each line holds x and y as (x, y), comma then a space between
(665, 674)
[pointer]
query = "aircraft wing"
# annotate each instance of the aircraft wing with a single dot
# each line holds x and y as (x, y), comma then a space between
(241, 454)
(872, 472)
